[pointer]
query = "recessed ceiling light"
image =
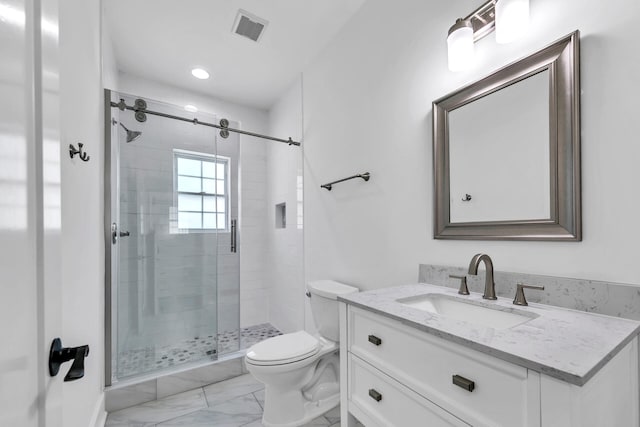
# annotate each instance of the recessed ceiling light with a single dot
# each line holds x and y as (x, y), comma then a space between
(191, 108)
(199, 73)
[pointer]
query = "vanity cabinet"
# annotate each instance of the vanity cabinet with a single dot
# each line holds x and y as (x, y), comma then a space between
(389, 402)
(393, 374)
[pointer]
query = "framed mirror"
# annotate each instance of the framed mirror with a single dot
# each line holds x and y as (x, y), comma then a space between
(506, 152)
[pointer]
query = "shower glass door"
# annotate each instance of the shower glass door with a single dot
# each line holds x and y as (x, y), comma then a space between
(172, 210)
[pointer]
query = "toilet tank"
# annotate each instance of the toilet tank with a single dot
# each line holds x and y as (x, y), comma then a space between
(324, 306)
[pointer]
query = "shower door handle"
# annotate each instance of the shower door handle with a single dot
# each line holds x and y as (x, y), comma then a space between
(234, 235)
(114, 233)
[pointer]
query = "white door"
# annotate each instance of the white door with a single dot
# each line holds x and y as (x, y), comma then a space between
(30, 300)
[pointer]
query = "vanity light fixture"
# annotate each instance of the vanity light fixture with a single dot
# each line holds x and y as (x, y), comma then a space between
(460, 45)
(199, 73)
(508, 17)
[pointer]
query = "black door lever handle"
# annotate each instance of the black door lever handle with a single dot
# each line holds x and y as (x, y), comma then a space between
(58, 355)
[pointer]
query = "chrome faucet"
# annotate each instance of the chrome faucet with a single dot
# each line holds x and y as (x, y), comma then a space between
(489, 285)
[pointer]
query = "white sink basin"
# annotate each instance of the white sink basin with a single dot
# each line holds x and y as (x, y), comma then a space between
(472, 312)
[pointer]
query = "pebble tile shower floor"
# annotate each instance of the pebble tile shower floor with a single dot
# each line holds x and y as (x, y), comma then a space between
(237, 402)
(144, 360)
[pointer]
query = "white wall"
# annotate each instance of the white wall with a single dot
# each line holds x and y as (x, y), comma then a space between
(285, 274)
(367, 107)
(254, 307)
(109, 61)
(250, 118)
(82, 206)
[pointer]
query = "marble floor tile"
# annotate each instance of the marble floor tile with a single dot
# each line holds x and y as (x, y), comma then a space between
(237, 402)
(123, 423)
(130, 396)
(333, 415)
(259, 395)
(161, 410)
(198, 377)
(317, 422)
(235, 387)
(233, 413)
(337, 423)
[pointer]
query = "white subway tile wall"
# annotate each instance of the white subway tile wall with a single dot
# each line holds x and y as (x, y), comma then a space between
(174, 286)
(285, 267)
(254, 307)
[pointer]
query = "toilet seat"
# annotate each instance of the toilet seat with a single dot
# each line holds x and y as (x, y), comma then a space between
(283, 349)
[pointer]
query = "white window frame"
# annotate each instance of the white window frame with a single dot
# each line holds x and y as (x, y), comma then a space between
(204, 157)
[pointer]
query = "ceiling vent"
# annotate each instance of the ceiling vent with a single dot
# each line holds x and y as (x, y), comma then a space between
(249, 25)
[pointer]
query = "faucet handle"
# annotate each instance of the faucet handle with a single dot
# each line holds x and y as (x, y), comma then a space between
(520, 299)
(463, 290)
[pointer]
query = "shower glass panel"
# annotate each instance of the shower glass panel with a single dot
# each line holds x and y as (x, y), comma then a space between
(174, 278)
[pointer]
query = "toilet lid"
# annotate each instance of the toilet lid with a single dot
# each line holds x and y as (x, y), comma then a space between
(283, 349)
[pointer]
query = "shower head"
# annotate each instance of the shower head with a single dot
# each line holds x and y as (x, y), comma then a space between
(132, 135)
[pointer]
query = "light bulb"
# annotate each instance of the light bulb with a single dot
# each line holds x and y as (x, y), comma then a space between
(199, 73)
(460, 45)
(512, 19)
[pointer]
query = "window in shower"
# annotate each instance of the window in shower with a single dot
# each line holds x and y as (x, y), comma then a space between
(201, 191)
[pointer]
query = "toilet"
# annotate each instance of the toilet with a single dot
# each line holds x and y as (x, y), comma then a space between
(300, 371)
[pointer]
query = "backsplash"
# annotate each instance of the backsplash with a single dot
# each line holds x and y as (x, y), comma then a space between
(613, 299)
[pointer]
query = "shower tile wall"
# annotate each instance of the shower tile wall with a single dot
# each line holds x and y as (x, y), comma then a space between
(168, 281)
(254, 296)
(285, 263)
(254, 307)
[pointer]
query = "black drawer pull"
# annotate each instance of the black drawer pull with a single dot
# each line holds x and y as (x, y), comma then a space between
(375, 340)
(464, 383)
(375, 395)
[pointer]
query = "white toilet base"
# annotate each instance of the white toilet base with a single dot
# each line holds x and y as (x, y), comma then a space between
(301, 373)
(296, 393)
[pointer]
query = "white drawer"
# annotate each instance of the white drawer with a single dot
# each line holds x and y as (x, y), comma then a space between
(502, 394)
(382, 401)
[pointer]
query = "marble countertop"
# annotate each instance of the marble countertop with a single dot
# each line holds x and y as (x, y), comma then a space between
(566, 344)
